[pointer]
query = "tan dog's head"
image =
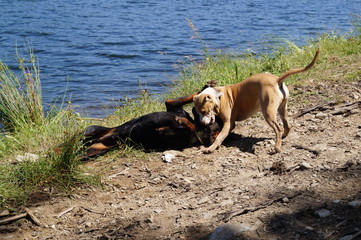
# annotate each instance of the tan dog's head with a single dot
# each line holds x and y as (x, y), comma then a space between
(207, 105)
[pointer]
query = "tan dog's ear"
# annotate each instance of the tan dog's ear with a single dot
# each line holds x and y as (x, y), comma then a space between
(218, 102)
(219, 94)
(195, 98)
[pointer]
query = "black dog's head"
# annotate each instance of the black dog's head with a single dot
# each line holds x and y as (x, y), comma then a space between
(207, 133)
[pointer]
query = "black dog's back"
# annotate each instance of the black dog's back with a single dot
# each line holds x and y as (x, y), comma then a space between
(158, 130)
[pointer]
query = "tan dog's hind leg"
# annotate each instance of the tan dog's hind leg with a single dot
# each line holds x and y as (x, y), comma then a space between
(282, 110)
(271, 120)
(269, 110)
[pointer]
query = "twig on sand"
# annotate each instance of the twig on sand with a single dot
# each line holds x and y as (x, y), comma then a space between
(92, 211)
(319, 107)
(33, 217)
(28, 213)
(316, 152)
(336, 110)
(346, 108)
(13, 218)
(227, 216)
(65, 211)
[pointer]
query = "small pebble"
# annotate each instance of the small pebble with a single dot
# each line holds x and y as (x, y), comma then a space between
(321, 115)
(347, 237)
(305, 165)
(322, 213)
(309, 228)
(355, 203)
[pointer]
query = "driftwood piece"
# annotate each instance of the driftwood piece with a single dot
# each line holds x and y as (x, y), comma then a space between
(226, 217)
(65, 211)
(13, 218)
(92, 211)
(316, 152)
(27, 213)
(335, 110)
(33, 217)
(319, 107)
(345, 108)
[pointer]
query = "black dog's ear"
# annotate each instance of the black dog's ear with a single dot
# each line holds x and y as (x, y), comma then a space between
(210, 83)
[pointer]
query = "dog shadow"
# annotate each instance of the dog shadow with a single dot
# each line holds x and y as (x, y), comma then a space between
(244, 144)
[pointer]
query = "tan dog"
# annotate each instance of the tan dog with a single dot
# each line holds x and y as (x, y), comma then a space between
(240, 101)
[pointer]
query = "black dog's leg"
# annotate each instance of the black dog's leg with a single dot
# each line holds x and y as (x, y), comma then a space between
(175, 104)
(100, 140)
(94, 132)
(185, 122)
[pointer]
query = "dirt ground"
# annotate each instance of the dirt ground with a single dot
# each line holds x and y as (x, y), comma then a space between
(312, 190)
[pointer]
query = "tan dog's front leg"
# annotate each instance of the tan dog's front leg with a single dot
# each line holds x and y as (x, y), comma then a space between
(220, 138)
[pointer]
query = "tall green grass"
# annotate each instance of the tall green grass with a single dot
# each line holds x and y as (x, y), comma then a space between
(229, 68)
(53, 137)
(20, 96)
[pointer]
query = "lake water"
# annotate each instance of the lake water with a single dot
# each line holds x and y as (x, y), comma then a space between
(107, 48)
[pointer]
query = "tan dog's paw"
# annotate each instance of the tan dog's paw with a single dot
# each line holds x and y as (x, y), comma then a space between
(278, 149)
(207, 150)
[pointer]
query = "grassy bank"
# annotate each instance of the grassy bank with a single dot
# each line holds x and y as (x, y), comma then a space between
(37, 150)
(52, 137)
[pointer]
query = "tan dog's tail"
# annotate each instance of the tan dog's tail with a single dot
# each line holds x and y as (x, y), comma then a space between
(299, 70)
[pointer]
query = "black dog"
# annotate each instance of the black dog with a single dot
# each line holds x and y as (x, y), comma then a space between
(174, 129)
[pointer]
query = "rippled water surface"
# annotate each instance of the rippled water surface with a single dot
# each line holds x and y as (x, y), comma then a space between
(106, 48)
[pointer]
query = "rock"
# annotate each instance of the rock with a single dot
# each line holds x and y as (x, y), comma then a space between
(231, 231)
(158, 211)
(168, 157)
(322, 213)
(149, 220)
(305, 165)
(358, 135)
(324, 147)
(326, 166)
(309, 228)
(4, 213)
(347, 237)
(175, 153)
(27, 157)
(321, 115)
(226, 202)
(87, 224)
(355, 204)
(203, 200)
(355, 96)
(285, 200)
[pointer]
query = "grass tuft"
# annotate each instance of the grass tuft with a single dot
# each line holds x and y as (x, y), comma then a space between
(20, 96)
(53, 138)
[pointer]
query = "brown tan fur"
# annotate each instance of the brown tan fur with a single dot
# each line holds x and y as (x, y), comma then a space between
(240, 101)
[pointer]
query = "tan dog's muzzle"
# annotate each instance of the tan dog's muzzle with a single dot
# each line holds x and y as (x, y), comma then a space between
(206, 103)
